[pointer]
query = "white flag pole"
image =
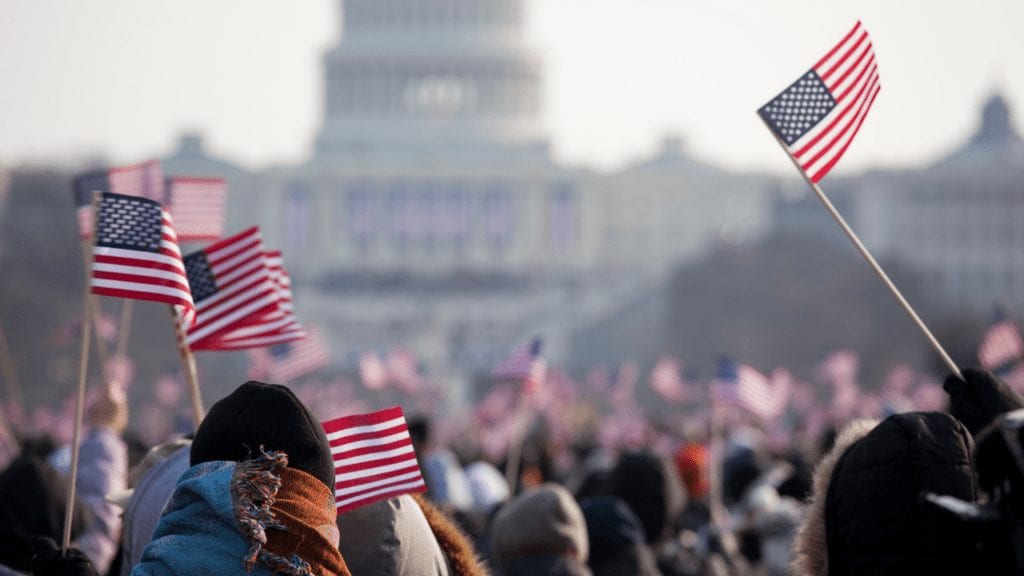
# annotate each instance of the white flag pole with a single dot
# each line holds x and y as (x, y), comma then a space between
(868, 257)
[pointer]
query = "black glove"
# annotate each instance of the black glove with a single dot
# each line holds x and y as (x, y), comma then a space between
(979, 398)
(50, 560)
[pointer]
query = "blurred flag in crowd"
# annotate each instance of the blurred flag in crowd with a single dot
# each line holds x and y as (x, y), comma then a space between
(1001, 346)
(666, 379)
(283, 363)
(743, 386)
(817, 117)
(402, 369)
(526, 364)
(373, 458)
(136, 255)
(197, 206)
(372, 371)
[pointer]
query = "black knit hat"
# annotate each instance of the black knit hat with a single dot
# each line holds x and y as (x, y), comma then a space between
(267, 415)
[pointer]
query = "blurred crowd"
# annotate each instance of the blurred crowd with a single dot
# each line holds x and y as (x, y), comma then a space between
(909, 476)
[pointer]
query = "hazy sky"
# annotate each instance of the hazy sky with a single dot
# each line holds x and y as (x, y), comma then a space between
(124, 77)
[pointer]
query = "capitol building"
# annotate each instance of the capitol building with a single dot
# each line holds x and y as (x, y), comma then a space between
(430, 214)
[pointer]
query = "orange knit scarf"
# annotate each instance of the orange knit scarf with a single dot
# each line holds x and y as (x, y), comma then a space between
(306, 507)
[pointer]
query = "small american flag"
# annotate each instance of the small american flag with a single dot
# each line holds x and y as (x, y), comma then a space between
(137, 256)
(743, 386)
(294, 360)
(818, 116)
(373, 458)
(372, 371)
(524, 363)
(231, 286)
(145, 179)
(197, 205)
(278, 326)
(1001, 346)
(666, 379)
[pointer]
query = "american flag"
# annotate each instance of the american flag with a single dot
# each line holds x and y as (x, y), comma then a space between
(231, 286)
(278, 326)
(666, 379)
(145, 179)
(373, 458)
(372, 371)
(197, 205)
(137, 256)
(402, 368)
(1001, 346)
(818, 116)
(291, 361)
(524, 363)
(742, 385)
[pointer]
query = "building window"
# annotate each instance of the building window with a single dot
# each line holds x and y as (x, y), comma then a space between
(298, 219)
(498, 217)
(562, 218)
(402, 215)
(361, 215)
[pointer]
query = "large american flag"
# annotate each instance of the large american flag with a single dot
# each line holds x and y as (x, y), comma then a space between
(525, 363)
(231, 286)
(742, 385)
(1001, 346)
(136, 254)
(373, 458)
(277, 326)
(818, 116)
(197, 205)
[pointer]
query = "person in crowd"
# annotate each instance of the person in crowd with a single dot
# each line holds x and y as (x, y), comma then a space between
(617, 542)
(866, 515)
(152, 481)
(258, 497)
(541, 532)
(653, 491)
(33, 497)
(405, 536)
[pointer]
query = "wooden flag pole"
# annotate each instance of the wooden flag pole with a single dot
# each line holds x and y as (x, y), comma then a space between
(10, 373)
(127, 307)
(515, 447)
(83, 369)
(7, 436)
(188, 365)
(869, 258)
(92, 308)
(719, 515)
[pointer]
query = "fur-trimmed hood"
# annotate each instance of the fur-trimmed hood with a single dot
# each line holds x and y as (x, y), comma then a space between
(810, 547)
(867, 514)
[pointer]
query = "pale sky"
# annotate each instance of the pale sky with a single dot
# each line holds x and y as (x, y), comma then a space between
(122, 78)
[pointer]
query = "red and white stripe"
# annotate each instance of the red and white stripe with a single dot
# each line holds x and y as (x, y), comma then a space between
(277, 326)
(141, 275)
(1001, 346)
(197, 205)
(850, 72)
(145, 179)
(373, 458)
(245, 291)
